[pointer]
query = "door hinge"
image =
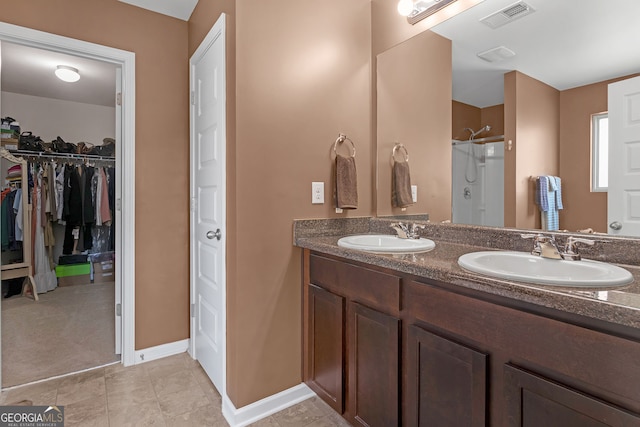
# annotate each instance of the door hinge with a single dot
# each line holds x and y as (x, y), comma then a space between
(119, 98)
(192, 310)
(194, 204)
(193, 97)
(118, 309)
(118, 204)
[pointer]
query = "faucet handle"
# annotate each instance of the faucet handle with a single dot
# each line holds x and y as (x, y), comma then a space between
(415, 227)
(401, 229)
(571, 248)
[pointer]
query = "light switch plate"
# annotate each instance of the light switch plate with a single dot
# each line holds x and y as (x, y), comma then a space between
(414, 193)
(317, 193)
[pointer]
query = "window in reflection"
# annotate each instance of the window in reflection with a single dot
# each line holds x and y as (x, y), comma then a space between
(600, 152)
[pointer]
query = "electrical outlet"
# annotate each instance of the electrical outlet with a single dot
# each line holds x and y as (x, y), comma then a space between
(317, 193)
(414, 193)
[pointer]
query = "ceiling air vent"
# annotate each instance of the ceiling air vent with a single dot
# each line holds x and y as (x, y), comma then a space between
(497, 54)
(508, 14)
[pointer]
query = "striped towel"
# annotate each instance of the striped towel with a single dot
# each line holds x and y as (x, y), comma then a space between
(549, 200)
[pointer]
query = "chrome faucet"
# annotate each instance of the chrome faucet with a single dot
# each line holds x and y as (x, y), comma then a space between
(571, 248)
(546, 247)
(405, 231)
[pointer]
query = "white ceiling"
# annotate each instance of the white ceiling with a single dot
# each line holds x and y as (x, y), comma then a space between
(180, 9)
(30, 71)
(564, 43)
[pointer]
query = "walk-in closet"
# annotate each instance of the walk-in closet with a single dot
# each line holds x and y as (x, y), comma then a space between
(58, 173)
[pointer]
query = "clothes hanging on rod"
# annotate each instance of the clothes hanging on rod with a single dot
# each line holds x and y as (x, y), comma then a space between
(44, 275)
(75, 187)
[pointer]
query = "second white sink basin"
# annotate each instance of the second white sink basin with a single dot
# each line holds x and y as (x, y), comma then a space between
(524, 267)
(386, 244)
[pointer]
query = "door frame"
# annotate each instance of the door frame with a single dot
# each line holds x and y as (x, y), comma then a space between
(125, 161)
(218, 30)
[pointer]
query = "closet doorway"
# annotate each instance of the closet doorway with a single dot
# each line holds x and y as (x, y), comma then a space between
(84, 318)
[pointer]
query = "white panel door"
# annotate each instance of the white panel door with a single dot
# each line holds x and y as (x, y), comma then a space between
(623, 208)
(118, 282)
(208, 139)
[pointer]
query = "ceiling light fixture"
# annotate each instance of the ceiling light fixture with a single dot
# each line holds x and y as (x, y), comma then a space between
(67, 74)
(416, 11)
(405, 7)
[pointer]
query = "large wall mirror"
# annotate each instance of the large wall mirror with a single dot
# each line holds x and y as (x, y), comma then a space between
(524, 80)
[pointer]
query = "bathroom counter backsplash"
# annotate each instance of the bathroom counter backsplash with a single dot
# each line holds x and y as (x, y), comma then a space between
(617, 305)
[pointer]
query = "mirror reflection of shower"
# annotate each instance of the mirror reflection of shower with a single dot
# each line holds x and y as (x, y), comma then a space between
(478, 179)
(471, 169)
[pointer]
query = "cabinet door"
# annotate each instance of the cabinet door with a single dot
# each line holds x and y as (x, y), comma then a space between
(373, 367)
(446, 382)
(533, 400)
(326, 346)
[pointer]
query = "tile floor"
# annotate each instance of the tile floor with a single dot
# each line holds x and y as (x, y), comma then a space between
(173, 391)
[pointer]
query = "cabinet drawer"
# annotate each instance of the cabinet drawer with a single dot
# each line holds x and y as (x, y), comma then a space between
(361, 284)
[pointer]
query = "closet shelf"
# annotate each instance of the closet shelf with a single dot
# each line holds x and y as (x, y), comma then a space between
(34, 155)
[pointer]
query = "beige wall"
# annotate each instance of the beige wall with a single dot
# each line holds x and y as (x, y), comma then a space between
(414, 108)
(468, 116)
(162, 145)
(582, 208)
(50, 118)
(302, 76)
(532, 123)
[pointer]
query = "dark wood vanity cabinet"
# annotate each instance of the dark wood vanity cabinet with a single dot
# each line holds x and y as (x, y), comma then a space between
(352, 339)
(533, 400)
(386, 349)
(373, 367)
(326, 346)
(446, 382)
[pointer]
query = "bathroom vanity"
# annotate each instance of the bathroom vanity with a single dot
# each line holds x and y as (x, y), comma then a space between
(415, 340)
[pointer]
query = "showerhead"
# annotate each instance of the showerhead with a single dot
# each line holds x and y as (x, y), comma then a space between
(487, 128)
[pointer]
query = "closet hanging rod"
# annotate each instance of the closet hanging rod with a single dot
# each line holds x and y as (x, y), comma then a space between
(43, 156)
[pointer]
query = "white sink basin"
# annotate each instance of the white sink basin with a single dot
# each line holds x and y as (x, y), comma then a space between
(386, 244)
(524, 267)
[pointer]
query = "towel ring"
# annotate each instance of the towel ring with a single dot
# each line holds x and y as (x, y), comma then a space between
(342, 138)
(398, 147)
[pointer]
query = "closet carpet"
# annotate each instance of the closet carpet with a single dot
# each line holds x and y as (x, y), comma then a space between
(70, 329)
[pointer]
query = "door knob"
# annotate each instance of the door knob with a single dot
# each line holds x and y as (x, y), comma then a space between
(217, 234)
(615, 225)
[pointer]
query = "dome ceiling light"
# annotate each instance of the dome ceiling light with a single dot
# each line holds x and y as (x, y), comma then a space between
(67, 74)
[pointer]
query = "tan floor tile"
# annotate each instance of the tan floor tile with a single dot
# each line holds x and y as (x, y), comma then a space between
(126, 397)
(182, 402)
(266, 422)
(72, 393)
(81, 377)
(43, 393)
(90, 412)
(167, 365)
(117, 368)
(139, 414)
(301, 414)
(328, 421)
(125, 380)
(176, 381)
(204, 416)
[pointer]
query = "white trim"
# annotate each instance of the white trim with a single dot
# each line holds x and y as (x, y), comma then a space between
(217, 31)
(125, 159)
(161, 351)
(263, 408)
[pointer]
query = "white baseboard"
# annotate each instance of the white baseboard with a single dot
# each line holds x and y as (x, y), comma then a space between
(160, 351)
(265, 407)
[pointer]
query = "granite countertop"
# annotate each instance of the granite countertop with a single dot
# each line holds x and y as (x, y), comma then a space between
(618, 305)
